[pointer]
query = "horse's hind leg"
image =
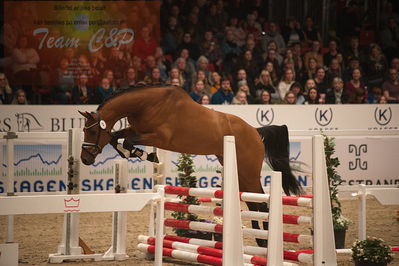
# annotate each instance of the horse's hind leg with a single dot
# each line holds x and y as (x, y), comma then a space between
(262, 207)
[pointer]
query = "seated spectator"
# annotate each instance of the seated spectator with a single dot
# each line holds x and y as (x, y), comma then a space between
(130, 79)
(238, 33)
(201, 75)
(271, 56)
(292, 33)
(249, 64)
(102, 92)
(286, 81)
(271, 33)
(175, 73)
(82, 93)
(172, 36)
(382, 100)
(20, 97)
(97, 62)
(24, 64)
(390, 39)
(354, 86)
(215, 82)
(174, 82)
(279, 54)
(240, 98)
(5, 90)
(309, 72)
(155, 77)
(264, 98)
(242, 76)
(297, 89)
(359, 96)
(289, 98)
(391, 86)
(190, 63)
(109, 74)
(180, 64)
(315, 53)
(116, 63)
(204, 99)
(145, 45)
(243, 86)
(332, 52)
(264, 82)
(65, 82)
(198, 90)
(138, 66)
(297, 56)
(352, 64)
(374, 95)
(251, 25)
(309, 84)
(274, 76)
(337, 95)
(354, 51)
(395, 63)
(250, 45)
(312, 97)
(334, 71)
(192, 47)
(310, 34)
(161, 62)
(224, 95)
(231, 51)
(321, 81)
(376, 66)
(203, 64)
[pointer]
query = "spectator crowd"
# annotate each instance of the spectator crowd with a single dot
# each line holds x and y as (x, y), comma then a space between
(219, 52)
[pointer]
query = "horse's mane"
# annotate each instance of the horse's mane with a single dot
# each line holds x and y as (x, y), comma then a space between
(132, 88)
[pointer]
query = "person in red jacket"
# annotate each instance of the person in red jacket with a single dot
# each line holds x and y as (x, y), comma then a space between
(145, 45)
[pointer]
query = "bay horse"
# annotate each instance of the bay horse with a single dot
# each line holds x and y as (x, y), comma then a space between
(166, 117)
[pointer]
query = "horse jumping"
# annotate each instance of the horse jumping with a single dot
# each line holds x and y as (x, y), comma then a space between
(166, 117)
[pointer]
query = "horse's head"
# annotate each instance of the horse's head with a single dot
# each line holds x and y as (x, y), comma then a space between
(96, 136)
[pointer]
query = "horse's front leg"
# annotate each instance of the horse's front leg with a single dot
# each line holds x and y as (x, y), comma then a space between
(127, 149)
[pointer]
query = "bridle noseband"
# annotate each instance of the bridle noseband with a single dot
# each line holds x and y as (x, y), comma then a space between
(102, 127)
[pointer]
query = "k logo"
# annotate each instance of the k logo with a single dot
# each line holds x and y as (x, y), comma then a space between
(383, 115)
(323, 116)
(358, 150)
(265, 116)
(27, 122)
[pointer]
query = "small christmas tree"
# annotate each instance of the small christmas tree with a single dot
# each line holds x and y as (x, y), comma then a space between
(185, 167)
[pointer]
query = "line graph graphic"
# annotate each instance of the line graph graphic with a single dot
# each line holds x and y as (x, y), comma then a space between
(34, 160)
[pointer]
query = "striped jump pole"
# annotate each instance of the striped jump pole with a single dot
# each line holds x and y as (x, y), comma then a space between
(246, 215)
(244, 196)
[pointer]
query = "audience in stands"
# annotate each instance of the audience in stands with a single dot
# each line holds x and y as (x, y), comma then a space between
(202, 41)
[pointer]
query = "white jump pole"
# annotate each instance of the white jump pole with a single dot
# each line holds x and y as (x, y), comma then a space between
(275, 255)
(232, 229)
(9, 250)
(159, 234)
(117, 251)
(323, 234)
(362, 194)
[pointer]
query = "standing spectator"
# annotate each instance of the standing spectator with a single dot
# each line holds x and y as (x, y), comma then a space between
(391, 86)
(224, 95)
(5, 90)
(337, 95)
(312, 97)
(264, 83)
(130, 79)
(198, 90)
(286, 81)
(145, 45)
(376, 66)
(82, 93)
(310, 34)
(102, 92)
(20, 97)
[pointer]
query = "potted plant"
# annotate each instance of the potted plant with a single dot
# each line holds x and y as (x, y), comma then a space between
(185, 167)
(340, 222)
(371, 252)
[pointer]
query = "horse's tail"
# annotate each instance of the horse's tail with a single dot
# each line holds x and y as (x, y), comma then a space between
(275, 139)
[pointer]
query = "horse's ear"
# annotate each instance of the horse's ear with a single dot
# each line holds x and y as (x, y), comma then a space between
(85, 114)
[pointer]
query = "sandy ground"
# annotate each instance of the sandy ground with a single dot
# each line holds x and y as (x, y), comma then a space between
(39, 235)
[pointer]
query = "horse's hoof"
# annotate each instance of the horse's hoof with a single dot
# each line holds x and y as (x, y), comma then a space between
(261, 242)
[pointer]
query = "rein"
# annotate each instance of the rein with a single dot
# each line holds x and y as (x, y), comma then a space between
(102, 126)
